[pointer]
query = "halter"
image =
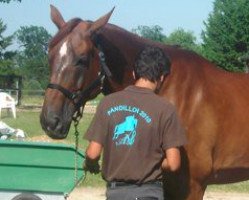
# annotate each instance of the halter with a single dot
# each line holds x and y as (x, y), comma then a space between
(104, 71)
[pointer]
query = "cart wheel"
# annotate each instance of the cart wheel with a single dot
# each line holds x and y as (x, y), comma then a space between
(26, 197)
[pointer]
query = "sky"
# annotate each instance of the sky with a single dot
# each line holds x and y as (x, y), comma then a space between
(128, 14)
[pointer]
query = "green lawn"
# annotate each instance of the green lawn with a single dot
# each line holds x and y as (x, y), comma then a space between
(242, 187)
(29, 122)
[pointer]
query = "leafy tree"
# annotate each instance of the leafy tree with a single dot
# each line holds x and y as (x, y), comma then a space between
(179, 37)
(32, 57)
(184, 39)
(6, 56)
(226, 37)
(153, 32)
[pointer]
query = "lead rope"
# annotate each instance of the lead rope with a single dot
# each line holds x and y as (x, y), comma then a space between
(76, 134)
(76, 120)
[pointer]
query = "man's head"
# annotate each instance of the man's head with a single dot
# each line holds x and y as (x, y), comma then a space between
(151, 64)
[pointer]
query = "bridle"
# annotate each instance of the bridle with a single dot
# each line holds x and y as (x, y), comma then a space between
(81, 94)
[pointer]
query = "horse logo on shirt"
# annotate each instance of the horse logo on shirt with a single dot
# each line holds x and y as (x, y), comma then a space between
(125, 132)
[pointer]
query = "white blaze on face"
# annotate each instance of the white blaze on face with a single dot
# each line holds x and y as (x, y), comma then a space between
(63, 49)
(63, 53)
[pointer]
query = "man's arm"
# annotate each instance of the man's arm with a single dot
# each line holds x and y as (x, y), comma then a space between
(93, 153)
(93, 150)
(172, 162)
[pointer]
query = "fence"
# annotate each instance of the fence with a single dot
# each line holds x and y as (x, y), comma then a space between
(32, 97)
(35, 98)
(12, 85)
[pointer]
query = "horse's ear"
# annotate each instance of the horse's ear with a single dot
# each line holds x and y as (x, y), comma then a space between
(100, 22)
(57, 17)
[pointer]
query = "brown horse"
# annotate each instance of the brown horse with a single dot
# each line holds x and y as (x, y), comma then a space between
(213, 104)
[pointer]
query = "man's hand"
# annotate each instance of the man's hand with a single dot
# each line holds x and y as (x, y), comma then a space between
(92, 166)
(93, 152)
(172, 161)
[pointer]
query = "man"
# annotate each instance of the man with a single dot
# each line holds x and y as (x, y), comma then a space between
(139, 132)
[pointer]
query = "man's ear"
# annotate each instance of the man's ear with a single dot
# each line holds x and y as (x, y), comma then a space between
(162, 78)
(133, 74)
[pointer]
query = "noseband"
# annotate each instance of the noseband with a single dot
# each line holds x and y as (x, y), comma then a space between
(80, 95)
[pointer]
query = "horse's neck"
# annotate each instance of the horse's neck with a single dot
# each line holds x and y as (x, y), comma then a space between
(121, 48)
(127, 43)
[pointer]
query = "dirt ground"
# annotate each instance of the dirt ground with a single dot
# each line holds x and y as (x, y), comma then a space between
(88, 193)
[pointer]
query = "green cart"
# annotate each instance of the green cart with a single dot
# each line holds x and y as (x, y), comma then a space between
(38, 171)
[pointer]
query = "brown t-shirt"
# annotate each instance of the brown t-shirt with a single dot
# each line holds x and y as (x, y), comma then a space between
(135, 127)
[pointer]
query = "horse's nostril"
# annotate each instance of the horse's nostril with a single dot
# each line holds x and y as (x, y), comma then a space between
(53, 122)
(58, 125)
(56, 121)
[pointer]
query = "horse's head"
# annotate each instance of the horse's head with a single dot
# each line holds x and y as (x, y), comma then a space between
(75, 74)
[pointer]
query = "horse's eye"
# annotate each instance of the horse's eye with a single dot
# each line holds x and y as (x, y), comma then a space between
(82, 61)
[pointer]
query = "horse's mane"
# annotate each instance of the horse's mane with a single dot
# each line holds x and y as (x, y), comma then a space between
(112, 31)
(64, 31)
(130, 36)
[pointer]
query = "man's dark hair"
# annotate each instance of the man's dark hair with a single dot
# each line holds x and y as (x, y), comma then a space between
(151, 64)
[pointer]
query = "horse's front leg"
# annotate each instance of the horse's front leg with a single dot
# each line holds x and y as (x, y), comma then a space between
(177, 184)
(196, 191)
(181, 186)
(189, 182)
(200, 169)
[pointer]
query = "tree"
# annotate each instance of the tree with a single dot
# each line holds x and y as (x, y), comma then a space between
(32, 57)
(226, 37)
(185, 39)
(6, 56)
(153, 32)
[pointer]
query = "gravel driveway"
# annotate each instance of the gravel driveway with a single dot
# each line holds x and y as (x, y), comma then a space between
(88, 193)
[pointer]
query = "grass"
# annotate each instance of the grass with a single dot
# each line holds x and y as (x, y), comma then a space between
(38, 99)
(241, 187)
(29, 122)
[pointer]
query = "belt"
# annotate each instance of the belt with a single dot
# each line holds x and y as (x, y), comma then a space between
(114, 184)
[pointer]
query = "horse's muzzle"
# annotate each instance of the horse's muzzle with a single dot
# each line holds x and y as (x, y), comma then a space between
(54, 126)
